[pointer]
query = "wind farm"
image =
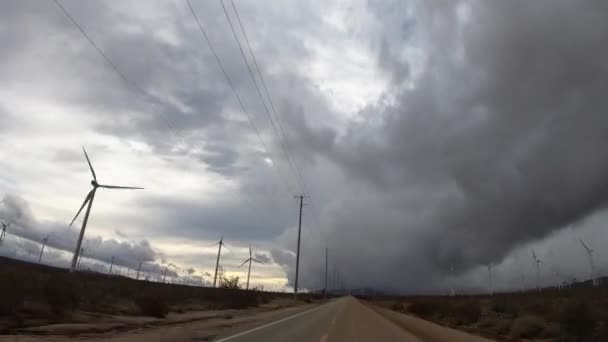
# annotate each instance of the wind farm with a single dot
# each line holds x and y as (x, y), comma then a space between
(395, 170)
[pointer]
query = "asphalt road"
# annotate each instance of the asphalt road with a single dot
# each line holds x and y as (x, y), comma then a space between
(345, 319)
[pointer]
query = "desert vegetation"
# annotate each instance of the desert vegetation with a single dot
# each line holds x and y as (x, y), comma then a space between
(578, 314)
(32, 295)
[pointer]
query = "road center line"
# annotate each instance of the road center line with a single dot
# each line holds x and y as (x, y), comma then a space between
(273, 323)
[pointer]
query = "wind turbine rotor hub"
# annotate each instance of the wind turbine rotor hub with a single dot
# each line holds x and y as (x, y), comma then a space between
(94, 183)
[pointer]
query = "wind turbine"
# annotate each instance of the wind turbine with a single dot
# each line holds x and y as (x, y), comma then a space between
(138, 270)
(89, 199)
(79, 257)
(591, 263)
(3, 234)
(217, 262)
(537, 264)
(490, 265)
(167, 269)
(44, 241)
(251, 258)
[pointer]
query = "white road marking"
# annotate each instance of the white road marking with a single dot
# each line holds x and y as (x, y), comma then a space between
(273, 323)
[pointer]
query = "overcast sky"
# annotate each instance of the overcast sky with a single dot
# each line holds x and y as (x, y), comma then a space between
(433, 137)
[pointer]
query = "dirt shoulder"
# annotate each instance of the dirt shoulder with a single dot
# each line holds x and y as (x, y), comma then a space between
(190, 326)
(425, 330)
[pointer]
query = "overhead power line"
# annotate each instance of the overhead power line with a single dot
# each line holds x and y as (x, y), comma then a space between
(132, 85)
(236, 94)
(292, 163)
(255, 83)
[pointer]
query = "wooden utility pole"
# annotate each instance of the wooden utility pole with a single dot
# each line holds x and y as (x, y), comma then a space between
(326, 252)
(298, 248)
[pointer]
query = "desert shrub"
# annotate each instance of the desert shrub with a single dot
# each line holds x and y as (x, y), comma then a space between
(398, 306)
(466, 312)
(152, 305)
(577, 324)
(235, 299)
(424, 308)
(504, 307)
(62, 294)
(11, 294)
(501, 327)
(230, 283)
(527, 327)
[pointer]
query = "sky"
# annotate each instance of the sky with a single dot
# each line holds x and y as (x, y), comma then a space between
(431, 138)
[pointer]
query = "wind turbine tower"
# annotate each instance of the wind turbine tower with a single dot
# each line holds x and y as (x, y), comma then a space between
(251, 259)
(217, 262)
(44, 241)
(3, 233)
(537, 264)
(591, 263)
(89, 199)
(490, 291)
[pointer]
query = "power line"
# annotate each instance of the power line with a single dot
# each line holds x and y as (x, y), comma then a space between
(295, 169)
(219, 62)
(274, 128)
(130, 83)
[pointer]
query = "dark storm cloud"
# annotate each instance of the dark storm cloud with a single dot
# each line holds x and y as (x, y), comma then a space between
(500, 142)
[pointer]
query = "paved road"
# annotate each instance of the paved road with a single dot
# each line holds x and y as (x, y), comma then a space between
(345, 319)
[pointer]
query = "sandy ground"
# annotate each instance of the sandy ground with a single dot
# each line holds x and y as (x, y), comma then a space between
(425, 330)
(346, 319)
(190, 326)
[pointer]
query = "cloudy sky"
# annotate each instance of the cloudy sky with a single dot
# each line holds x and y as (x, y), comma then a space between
(432, 137)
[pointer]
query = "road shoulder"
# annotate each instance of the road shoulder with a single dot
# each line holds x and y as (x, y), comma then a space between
(425, 330)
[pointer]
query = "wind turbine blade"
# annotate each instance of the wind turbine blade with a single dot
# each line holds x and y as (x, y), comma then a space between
(258, 261)
(249, 251)
(86, 200)
(585, 246)
(119, 187)
(244, 262)
(534, 255)
(89, 161)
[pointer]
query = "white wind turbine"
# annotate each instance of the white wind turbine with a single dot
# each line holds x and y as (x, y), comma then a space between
(591, 263)
(537, 264)
(44, 241)
(89, 200)
(3, 233)
(490, 265)
(251, 259)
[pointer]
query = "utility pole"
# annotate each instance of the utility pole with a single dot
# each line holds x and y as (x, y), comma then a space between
(217, 262)
(326, 252)
(111, 264)
(42, 249)
(298, 250)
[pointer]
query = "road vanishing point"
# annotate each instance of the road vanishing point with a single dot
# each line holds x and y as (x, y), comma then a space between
(342, 320)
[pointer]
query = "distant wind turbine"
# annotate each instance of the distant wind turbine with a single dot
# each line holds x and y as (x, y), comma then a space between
(217, 262)
(3, 234)
(490, 265)
(251, 258)
(89, 199)
(537, 264)
(591, 263)
(44, 241)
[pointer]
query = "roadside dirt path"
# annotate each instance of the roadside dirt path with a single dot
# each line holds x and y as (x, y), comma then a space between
(425, 330)
(201, 326)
